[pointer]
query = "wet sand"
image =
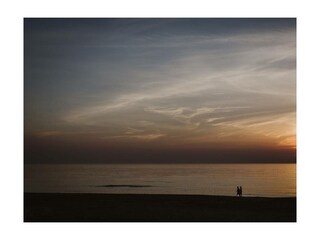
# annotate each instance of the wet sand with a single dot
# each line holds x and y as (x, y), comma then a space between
(88, 207)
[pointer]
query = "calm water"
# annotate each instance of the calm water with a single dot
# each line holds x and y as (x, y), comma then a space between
(275, 180)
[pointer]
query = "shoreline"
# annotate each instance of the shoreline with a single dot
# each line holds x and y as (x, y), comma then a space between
(92, 207)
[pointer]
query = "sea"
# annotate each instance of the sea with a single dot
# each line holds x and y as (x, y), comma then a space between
(262, 180)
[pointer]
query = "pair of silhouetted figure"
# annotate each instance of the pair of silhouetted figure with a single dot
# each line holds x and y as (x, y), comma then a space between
(239, 191)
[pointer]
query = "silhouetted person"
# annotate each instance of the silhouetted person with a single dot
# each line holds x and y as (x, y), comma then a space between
(240, 191)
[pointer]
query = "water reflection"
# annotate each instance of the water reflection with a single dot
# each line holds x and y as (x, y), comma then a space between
(206, 179)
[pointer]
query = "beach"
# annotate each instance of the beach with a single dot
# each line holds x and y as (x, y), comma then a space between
(91, 207)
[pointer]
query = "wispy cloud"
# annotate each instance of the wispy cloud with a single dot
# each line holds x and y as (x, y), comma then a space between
(166, 80)
(143, 137)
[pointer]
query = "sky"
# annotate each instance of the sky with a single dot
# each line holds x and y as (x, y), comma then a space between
(159, 90)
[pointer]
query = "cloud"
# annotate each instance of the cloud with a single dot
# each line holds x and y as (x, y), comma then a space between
(142, 137)
(182, 112)
(165, 80)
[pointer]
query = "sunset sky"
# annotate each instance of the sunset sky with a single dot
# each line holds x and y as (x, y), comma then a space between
(159, 90)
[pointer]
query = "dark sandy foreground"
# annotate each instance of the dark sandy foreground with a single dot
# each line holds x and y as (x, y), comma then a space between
(65, 207)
